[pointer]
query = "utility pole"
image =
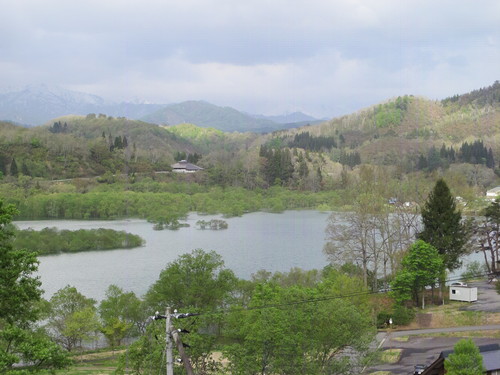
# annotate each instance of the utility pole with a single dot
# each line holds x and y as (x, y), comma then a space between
(184, 357)
(168, 345)
(170, 333)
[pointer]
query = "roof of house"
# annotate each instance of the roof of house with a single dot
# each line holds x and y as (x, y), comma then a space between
(183, 164)
(491, 360)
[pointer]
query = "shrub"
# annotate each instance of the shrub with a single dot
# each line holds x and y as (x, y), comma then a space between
(403, 316)
(382, 319)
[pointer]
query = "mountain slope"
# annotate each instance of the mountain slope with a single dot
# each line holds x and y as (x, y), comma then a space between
(295, 117)
(77, 146)
(400, 130)
(207, 115)
(38, 104)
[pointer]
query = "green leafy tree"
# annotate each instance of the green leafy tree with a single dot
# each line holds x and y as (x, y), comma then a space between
(443, 227)
(196, 280)
(465, 359)
(422, 267)
(72, 318)
(120, 312)
(277, 336)
(146, 355)
(20, 297)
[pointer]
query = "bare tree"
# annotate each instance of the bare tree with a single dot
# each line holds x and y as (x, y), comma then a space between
(347, 236)
(487, 236)
(371, 237)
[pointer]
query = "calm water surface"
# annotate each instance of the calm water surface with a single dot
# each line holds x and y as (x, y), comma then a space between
(274, 242)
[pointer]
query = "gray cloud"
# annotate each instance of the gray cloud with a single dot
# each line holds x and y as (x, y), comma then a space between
(324, 57)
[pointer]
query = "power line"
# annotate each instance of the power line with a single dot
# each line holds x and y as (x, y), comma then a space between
(314, 300)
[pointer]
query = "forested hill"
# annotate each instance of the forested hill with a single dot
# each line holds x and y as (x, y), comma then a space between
(485, 96)
(405, 137)
(207, 115)
(78, 146)
(398, 131)
(93, 145)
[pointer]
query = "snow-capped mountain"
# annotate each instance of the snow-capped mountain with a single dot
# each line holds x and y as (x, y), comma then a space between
(37, 104)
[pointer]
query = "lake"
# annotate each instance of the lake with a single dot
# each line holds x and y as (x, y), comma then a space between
(255, 241)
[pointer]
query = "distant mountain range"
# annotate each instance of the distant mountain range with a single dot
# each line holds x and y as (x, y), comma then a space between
(39, 104)
(289, 118)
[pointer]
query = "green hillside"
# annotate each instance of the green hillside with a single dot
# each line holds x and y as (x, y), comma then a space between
(207, 115)
(397, 148)
(78, 146)
(399, 131)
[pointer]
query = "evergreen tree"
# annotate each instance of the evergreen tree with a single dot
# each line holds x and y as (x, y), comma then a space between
(118, 142)
(490, 161)
(422, 162)
(24, 169)
(110, 142)
(303, 170)
(443, 227)
(433, 159)
(56, 127)
(451, 155)
(14, 171)
(286, 166)
(3, 165)
(320, 175)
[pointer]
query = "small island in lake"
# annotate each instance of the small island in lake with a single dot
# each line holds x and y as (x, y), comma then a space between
(54, 241)
(214, 224)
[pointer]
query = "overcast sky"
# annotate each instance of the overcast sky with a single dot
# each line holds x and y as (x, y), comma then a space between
(323, 57)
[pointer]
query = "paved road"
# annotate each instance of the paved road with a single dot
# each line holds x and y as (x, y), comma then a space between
(487, 298)
(424, 350)
(420, 350)
(426, 331)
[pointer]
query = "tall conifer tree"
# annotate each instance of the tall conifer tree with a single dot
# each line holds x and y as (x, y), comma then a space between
(14, 171)
(443, 227)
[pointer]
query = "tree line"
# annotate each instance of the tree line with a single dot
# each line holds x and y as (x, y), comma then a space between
(308, 142)
(475, 153)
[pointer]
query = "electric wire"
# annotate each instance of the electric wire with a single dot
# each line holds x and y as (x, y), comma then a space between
(313, 300)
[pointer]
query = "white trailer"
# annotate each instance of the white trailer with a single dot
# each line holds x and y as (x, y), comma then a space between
(463, 293)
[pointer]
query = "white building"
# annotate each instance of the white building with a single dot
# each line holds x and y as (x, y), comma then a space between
(493, 193)
(463, 293)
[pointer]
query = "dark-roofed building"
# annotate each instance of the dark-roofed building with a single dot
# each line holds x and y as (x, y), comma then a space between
(491, 361)
(184, 167)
